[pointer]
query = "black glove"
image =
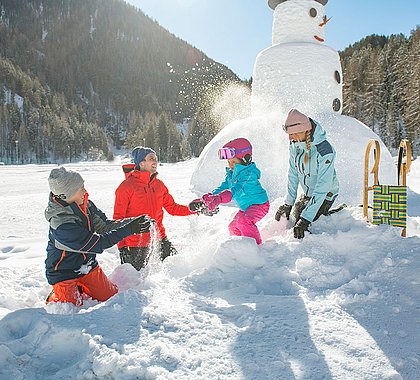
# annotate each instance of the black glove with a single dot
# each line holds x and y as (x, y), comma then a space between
(205, 211)
(140, 225)
(300, 227)
(196, 205)
(283, 209)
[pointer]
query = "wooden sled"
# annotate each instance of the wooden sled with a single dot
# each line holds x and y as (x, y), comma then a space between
(389, 201)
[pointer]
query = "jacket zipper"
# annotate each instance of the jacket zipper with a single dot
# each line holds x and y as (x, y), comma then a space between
(63, 254)
(300, 165)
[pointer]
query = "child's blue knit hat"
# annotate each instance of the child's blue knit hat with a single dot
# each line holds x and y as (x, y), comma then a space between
(139, 153)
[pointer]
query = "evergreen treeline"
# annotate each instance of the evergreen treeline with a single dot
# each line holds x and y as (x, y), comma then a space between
(117, 66)
(38, 125)
(382, 86)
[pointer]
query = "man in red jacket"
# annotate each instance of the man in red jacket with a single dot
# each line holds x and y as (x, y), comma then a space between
(143, 193)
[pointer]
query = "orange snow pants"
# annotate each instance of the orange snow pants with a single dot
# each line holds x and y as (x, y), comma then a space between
(95, 285)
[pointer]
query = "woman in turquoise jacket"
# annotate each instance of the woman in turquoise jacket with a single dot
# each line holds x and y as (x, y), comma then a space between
(242, 185)
(311, 164)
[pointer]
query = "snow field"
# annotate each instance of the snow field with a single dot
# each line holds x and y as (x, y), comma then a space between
(341, 304)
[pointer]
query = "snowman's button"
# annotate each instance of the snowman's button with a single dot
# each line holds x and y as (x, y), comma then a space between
(313, 12)
(336, 105)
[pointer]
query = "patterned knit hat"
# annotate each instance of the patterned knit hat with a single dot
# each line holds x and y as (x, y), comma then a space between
(64, 183)
(139, 153)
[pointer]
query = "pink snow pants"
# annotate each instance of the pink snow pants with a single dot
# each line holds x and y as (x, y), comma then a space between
(243, 224)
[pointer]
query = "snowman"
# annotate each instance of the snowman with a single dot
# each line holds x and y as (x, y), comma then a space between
(297, 71)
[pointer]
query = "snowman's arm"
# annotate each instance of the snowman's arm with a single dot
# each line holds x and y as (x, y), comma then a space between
(324, 184)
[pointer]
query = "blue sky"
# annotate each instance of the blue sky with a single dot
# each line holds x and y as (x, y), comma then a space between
(233, 32)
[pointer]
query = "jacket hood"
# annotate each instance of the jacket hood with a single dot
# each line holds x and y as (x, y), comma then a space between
(127, 169)
(319, 134)
(59, 213)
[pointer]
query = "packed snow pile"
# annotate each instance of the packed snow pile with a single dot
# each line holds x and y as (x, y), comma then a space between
(271, 155)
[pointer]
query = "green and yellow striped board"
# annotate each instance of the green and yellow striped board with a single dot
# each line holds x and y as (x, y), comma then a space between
(390, 205)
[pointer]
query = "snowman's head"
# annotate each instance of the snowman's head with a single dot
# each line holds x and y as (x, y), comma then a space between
(298, 21)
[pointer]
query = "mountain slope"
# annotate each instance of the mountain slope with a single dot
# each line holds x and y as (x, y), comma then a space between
(108, 56)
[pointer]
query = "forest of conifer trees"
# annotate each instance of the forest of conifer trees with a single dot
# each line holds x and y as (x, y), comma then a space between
(78, 77)
(382, 86)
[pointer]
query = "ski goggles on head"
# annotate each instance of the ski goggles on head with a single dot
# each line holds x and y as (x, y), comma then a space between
(297, 127)
(226, 153)
(286, 127)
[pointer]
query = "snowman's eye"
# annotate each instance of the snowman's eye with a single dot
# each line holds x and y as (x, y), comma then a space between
(313, 12)
(337, 76)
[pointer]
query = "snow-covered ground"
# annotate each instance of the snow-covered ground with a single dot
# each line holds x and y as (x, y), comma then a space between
(343, 303)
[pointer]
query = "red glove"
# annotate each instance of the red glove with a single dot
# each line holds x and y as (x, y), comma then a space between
(212, 201)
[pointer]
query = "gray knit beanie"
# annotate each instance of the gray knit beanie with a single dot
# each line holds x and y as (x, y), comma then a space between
(64, 183)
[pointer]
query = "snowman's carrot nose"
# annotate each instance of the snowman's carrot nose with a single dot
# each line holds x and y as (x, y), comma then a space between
(325, 21)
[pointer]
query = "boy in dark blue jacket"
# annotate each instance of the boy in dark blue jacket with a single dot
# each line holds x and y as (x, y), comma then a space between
(79, 231)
